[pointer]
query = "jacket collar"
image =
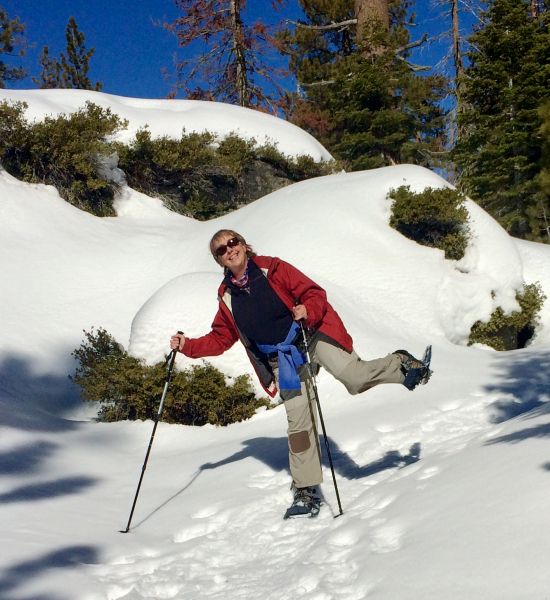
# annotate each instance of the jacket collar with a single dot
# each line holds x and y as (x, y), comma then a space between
(267, 264)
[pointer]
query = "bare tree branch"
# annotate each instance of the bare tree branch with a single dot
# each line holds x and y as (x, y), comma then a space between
(315, 84)
(412, 44)
(341, 25)
(412, 67)
(406, 23)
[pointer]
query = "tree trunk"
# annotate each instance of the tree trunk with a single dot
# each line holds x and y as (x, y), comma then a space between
(461, 106)
(241, 81)
(367, 11)
(457, 56)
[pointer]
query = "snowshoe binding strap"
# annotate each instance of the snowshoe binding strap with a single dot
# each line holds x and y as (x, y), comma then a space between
(305, 504)
(417, 372)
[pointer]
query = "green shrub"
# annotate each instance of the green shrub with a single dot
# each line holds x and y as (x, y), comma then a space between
(184, 173)
(235, 152)
(507, 332)
(197, 175)
(128, 389)
(203, 177)
(62, 151)
(434, 217)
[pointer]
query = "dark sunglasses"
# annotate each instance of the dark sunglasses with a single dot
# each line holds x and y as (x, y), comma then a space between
(221, 250)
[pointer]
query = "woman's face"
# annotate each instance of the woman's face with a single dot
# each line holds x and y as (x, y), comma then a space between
(235, 258)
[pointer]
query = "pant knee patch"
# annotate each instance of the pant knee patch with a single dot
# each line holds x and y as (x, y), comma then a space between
(299, 442)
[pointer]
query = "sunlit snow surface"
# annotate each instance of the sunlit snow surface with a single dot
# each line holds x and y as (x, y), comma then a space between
(445, 490)
(171, 117)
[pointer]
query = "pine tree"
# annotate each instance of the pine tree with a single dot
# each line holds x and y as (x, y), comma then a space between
(361, 96)
(237, 58)
(499, 151)
(70, 71)
(12, 43)
(50, 78)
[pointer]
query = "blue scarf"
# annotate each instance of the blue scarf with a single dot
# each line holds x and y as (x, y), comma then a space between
(290, 358)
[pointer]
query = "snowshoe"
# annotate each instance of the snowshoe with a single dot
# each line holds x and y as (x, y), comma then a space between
(306, 503)
(417, 372)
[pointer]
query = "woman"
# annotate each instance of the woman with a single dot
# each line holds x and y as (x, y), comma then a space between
(260, 301)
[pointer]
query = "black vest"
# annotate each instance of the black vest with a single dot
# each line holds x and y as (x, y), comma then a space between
(258, 312)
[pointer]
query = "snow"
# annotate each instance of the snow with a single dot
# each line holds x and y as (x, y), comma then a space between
(170, 117)
(444, 490)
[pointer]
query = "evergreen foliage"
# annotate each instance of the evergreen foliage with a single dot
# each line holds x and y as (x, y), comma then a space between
(12, 43)
(70, 71)
(50, 78)
(362, 100)
(508, 332)
(61, 151)
(128, 389)
(197, 175)
(434, 217)
(500, 150)
(202, 177)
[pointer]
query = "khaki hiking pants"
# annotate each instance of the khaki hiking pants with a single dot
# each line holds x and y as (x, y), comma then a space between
(301, 408)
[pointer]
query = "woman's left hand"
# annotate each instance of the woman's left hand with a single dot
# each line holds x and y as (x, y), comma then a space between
(299, 312)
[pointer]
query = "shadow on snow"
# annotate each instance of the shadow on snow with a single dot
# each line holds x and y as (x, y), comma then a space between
(525, 379)
(66, 558)
(47, 489)
(274, 453)
(35, 402)
(26, 460)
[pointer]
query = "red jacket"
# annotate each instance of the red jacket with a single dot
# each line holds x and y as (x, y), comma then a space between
(290, 285)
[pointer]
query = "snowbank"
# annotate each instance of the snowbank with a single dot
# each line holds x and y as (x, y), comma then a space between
(170, 117)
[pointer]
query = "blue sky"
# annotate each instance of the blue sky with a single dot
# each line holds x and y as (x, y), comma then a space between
(130, 51)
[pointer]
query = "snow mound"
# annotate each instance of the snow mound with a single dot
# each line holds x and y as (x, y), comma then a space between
(336, 230)
(170, 117)
(165, 312)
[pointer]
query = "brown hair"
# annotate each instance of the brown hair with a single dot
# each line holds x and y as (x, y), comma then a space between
(223, 232)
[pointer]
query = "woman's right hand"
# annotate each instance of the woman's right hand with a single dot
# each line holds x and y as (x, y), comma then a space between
(177, 341)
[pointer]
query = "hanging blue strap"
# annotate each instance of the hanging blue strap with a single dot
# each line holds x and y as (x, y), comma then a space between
(290, 358)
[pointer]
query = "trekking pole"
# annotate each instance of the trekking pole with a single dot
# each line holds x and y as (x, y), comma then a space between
(320, 414)
(172, 359)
